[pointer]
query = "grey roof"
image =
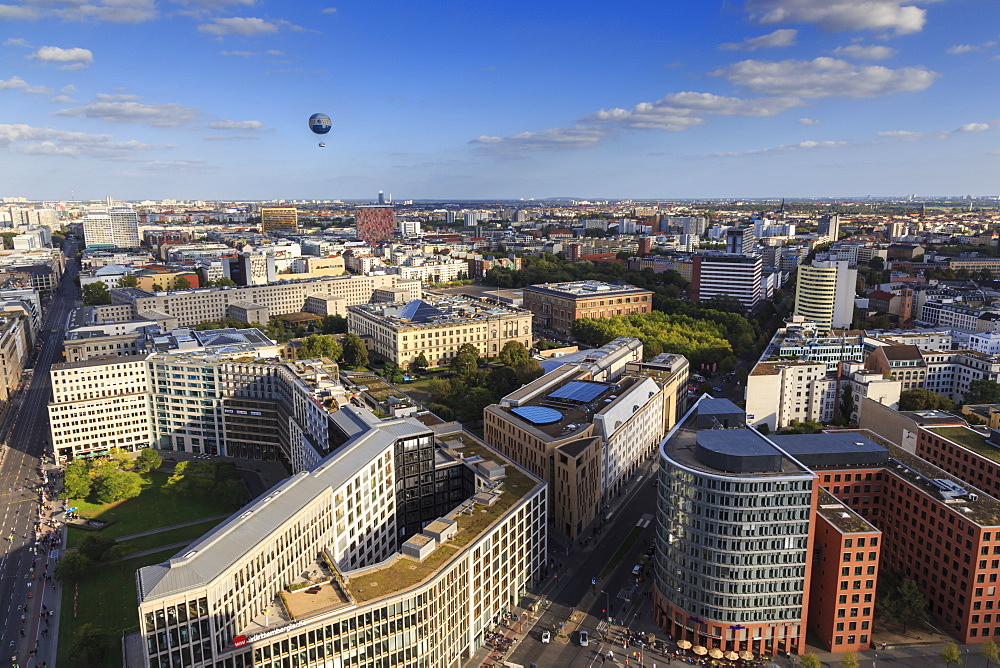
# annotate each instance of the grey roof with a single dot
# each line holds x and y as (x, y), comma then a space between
(416, 311)
(826, 443)
(736, 442)
(712, 406)
(208, 557)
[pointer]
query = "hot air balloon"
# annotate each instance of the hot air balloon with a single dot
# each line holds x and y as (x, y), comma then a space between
(320, 124)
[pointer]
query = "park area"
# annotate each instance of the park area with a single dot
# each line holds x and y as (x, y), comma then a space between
(169, 512)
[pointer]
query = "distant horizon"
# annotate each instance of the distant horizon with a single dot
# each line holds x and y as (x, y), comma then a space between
(506, 100)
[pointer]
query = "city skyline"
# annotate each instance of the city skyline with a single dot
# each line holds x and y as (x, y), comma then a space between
(756, 98)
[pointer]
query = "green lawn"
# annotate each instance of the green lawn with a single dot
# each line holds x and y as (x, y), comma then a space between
(150, 510)
(417, 389)
(155, 540)
(107, 598)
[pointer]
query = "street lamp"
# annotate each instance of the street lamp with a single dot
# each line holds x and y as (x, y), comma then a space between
(607, 604)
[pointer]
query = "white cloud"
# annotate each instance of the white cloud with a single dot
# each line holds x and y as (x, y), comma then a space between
(783, 37)
(29, 140)
(870, 52)
(807, 145)
(824, 77)
(908, 135)
(14, 83)
(679, 111)
(246, 26)
(578, 136)
(274, 52)
(808, 121)
(62, 99)
(839, 15)
(228, 137)
(239, 54)
(117, 97)
(16, 41)
(328, 10)
(17, 12)
(72, 58)
(125, 110)
(974, 127)
(175, 165)
(236, 125)
(959, 49)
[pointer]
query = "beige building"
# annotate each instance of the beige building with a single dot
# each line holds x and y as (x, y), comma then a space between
(15, 345)
(279, 219)
(438, 327)
(192, 307)
(779, 392)
(319, 572)
(100, 404)
(585, 438)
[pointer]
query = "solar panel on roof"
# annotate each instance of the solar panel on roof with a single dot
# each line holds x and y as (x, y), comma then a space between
(578, 390)
(537, 414)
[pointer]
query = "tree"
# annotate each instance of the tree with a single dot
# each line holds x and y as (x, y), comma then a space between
(847, 402)
(990, 652)
(849, 660)
(224, 282)
(419, 363)
(96, 294)
(157, 287)
(76, 480)
(355, 353)
(911, 604)
(182, 283)
(528, 371)
(94, 546)
(392, 373)
(464, 363)
(810, 660)
(89, 645)
(72, 566)
(128, 282)
(473, 403)
(983, 392)
(116, 486)
(503, 381)
(147, 460)
(320, 345)
(922, 400)
(333, 324)
(513, 354)
(950, 654)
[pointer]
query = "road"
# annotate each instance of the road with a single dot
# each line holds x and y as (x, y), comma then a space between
(619, 595)
(26, 428)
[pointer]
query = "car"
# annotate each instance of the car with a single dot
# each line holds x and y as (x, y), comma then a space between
(584, 639)
(717, 389)
(546, 637)
(637, 570)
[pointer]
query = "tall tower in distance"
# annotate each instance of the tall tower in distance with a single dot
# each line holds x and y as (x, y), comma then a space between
(381, 197)
(829, 226)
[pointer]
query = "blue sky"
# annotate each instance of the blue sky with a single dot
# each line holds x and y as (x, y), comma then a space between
(208, 99)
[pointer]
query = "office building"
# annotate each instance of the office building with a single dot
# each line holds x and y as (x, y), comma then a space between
(584, 437)
(279, 219)
(716, 274)
(192, 307)
(556, 306)
(824, 293)
(322, 571)
(759, 537)
(829, 226)
(437, 328)
(740, 240)
(375, 223)
(115, 226)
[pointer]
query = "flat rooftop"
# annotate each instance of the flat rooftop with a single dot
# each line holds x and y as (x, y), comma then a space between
(568, 406)
(839, 515)
(586, 289)
(435, 312)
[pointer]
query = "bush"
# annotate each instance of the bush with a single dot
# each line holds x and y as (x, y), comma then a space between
(94, 546)
(72, 567)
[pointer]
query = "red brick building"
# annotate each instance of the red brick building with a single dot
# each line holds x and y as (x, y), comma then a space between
(558, 305)
(375, 223)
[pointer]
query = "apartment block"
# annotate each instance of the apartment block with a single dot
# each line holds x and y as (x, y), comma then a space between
(824, 293)
(437, 328)
(375, 223)
(279, 219)
(192, 307)
(557, 306)
(739, 276)
(370, 596)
